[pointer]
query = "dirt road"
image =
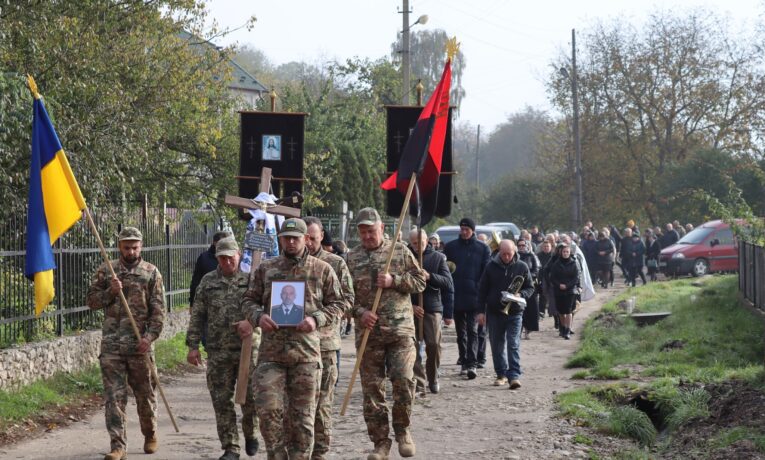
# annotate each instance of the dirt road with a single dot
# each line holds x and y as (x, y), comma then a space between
(467, 419)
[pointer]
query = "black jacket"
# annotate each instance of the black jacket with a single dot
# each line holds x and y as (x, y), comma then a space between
(496, 278)
(564, 271)
(206, 263)
(470, 257)
(438, 295)
(531, 261)
(544, 258)
(653, 249)
(607, 246)
(635, 258)
(669, 238)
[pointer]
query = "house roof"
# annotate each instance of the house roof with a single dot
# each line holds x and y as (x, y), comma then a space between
(240, 78)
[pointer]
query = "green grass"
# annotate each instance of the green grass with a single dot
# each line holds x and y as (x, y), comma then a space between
(65, 388)
(42, 395)
(630, 422)
(732, 435)
(721, 340)
(688, 405)
(580, 438)
(705, 325)
(593, 406)
(170, 354)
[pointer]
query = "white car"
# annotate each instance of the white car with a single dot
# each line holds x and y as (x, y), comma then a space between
(449, 233)
(508, 227)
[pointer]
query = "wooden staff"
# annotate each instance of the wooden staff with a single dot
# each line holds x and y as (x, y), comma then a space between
(421, 295)
(378, 295)
(243, 379)
(244, 369)
(130, 316)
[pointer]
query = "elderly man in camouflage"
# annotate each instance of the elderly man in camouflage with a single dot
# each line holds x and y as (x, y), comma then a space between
(391, 340)
(330, 339)
(217, 306)
(288, 373)
(123, 357)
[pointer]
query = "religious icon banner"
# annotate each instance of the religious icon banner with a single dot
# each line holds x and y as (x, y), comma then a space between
(274, 140)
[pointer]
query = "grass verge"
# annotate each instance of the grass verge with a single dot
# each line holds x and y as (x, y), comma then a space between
(693, 343)
(708, 341)
(38, 398)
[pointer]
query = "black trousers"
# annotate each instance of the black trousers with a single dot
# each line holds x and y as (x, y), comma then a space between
(480, 354)
(467, 337)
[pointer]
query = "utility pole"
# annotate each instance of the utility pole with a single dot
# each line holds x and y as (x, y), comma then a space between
(405, 61)
(477, 170)
(577, 143)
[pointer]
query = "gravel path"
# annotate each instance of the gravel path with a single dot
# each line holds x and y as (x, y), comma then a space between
(467, 419)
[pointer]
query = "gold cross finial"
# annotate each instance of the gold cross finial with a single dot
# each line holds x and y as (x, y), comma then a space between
(452, 47)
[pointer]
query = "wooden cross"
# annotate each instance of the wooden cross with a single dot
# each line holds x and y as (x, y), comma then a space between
(244, 203)
(265, 186)
(292, 145)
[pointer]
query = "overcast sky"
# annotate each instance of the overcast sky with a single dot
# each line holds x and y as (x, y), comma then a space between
(508, 45)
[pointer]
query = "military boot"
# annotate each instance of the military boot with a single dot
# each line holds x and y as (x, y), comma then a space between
(150, 443)
(406, 447)
(382, 450)
(116, 454)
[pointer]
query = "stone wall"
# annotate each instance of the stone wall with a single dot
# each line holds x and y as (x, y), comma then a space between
(26, 363)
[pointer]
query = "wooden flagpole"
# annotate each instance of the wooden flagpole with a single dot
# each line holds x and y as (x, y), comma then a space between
(378, 295)
(130, 316)
(421, 295)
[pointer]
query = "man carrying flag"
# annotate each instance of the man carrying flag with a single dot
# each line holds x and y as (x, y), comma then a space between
(55, 204)
(389, 331)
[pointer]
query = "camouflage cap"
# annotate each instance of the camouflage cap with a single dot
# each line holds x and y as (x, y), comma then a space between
(368, 216)
(294, 227)
(130, 234)
(227, 247)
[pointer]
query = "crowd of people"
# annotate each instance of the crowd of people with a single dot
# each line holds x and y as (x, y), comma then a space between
(398, 296)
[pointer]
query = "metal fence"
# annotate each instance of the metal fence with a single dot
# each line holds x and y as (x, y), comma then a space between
(751, 273)
(172, 243)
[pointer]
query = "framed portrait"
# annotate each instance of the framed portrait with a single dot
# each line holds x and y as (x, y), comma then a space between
(287, 302)
(272, 147)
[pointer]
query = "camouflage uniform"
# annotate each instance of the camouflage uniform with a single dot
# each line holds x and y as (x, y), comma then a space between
(289, 362)
(330, 343)
(217, 305)
(391, 341)
(121, 364)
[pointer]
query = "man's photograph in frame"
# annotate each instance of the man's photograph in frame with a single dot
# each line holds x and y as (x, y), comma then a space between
(272, 147)
(287, 302)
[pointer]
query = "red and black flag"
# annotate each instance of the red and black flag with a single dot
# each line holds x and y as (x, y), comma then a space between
(424, 150)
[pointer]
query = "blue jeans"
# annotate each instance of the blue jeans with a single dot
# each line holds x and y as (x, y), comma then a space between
(505, 340)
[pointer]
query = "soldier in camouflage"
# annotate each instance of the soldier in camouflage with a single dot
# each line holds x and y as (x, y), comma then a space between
(123, 357)
(217, 306)
(330, 339)
(391, 340)
(288, 372)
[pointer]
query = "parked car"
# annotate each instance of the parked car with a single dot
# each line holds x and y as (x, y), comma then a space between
(709, 248)
(508, 228)
(452, 232)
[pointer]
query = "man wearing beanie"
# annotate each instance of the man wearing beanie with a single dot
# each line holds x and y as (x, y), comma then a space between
(470, 257)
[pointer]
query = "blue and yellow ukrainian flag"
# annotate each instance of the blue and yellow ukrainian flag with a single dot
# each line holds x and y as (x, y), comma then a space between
(55, 202)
